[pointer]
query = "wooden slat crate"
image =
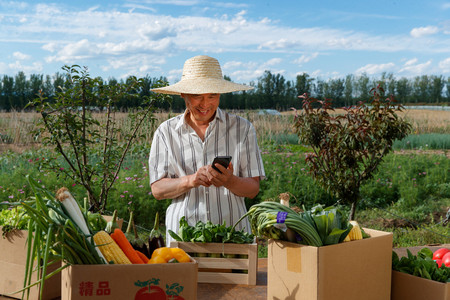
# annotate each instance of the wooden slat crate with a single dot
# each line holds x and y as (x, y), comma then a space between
(221, 269)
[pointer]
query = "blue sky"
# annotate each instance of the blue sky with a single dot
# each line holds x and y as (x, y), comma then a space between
(326, 39)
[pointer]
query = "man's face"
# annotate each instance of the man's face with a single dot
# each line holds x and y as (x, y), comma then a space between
(202, 107)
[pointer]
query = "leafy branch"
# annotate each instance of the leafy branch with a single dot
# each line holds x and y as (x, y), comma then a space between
(81, 126)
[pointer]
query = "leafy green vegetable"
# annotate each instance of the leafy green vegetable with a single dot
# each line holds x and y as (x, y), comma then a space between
(13, 218)
(210, 233)
(317, 227)
(421, 265)
(331, 224)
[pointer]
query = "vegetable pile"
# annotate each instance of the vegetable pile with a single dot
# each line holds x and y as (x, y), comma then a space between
(316, 227)
(59, 230)
(210, 233)
(424, 264)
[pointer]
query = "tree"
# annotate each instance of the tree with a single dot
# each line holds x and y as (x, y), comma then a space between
(348, 90)
(303, 84)
(348, 148)
(89, 147)
(20, 90)
(403, 88)
(437, 85)
(336, 90)
(421, 88)
(36, 84)
(363, 87)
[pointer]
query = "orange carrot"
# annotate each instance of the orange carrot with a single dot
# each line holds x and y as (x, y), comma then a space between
(142, 256)
(119, 237)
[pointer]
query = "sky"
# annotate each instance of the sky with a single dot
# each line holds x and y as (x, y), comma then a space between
(325, 39)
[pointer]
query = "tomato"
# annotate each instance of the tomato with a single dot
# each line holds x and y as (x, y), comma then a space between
(439, 253)
(150, 293)
(446, 259)
(439, 262)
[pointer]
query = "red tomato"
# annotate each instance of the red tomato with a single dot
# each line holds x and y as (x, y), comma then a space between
(439, 253)
(150, 293)
(439, 262)
(446, 259)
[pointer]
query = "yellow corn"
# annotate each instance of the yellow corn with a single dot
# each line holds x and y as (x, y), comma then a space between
(355, 233)
(347, 238)
(109, 248)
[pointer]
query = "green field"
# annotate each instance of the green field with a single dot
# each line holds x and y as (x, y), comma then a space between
(409, 194)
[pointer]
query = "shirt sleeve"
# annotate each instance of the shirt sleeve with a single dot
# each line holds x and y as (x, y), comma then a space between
(158, 160)
(252, 164)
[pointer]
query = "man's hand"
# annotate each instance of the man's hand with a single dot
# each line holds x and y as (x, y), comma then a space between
(201, 177)
(220, 179)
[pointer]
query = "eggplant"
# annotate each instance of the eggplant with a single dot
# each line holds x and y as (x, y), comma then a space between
(133, 237)
(155, 239)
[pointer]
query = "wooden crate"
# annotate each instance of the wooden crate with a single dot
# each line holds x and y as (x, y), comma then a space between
(221, 269)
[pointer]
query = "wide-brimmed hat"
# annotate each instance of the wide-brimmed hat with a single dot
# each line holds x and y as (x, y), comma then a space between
(202, 75)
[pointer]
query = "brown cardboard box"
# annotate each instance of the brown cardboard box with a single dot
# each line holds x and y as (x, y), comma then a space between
(13, 257)
(356, 270)
(217, 269)
(405, 286)
(123, 282)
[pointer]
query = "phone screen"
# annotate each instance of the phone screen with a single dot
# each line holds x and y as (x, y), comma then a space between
(223, 160)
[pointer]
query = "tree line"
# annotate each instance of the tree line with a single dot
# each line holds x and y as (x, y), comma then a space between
(271, 90)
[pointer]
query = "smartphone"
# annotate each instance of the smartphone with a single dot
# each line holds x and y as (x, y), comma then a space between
(223, 160)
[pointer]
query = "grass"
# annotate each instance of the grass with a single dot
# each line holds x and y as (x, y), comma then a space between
(406, 190)
(424, 141)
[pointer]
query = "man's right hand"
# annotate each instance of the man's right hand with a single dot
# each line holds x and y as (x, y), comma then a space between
(201, 177)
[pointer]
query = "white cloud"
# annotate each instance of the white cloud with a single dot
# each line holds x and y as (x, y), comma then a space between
(17, 66)
(444, 65)
(247, 71)
(411, 62)
(411, 68)
(423, 31)
(305, 58)
(130, 36)
(372, 69)
(21, 56)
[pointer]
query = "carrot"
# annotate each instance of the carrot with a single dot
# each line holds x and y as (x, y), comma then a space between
(121, 240)
(142, 256)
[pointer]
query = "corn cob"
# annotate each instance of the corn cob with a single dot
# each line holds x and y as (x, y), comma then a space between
(109, 248)
(355, 233)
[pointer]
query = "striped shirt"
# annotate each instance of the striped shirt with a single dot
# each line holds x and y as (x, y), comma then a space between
(177, 151)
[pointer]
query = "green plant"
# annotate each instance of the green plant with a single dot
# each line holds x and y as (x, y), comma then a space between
(348, 148)
(421, 265)
(90, 146)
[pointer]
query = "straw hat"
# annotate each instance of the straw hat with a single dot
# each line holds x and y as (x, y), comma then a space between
(202, 75)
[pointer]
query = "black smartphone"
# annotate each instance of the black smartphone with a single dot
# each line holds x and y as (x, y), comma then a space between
(223, 160)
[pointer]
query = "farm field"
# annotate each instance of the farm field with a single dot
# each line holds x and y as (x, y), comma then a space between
(409, 195)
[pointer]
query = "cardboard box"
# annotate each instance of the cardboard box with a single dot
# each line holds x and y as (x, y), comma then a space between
(239, 270)
(120, 282)
(406, 286)
(353, 270)
(13, 258)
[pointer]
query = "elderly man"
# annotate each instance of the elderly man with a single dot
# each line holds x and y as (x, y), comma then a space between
(183, 149)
